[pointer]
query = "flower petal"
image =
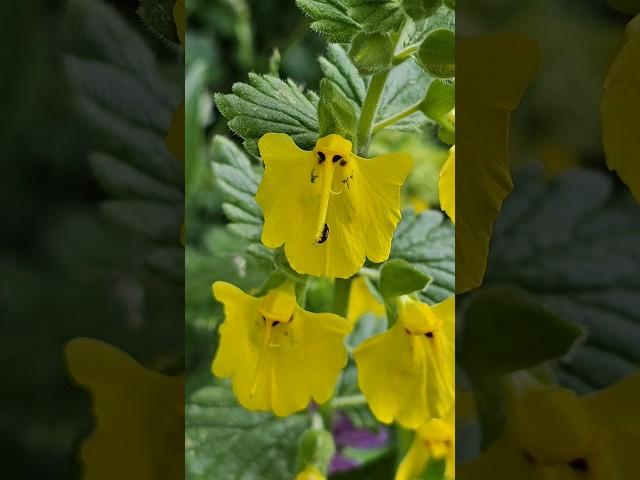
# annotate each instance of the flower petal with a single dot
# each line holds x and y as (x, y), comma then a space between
(362, 301)
(447, 185)
(391, 374)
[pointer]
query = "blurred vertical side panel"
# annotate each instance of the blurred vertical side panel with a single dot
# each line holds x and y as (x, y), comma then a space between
(91, 259)
(547, 258)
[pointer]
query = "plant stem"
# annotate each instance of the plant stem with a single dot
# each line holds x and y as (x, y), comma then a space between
(341, 291)
(372, 102)
(370, 108)
(403, 55)
(370, 273)
(348, 401)
(396, 118)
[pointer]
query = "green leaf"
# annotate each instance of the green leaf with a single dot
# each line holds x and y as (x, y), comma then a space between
(156, 221)
(371, 52)
(520, 331)
(252, 446)
(437, 53)
(123, 180)
(406, 86)
(418, 9)
(330, 18)
(338, 68)
(375, 16)
(415, 31)
(427, 242)
(195, 86)
(336, 114)
(397, 277)
(572, 243)
(435, 469)
(157, 15)
(236, 178)
(268, 104)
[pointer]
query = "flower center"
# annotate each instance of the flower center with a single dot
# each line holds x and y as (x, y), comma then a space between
(333, 154)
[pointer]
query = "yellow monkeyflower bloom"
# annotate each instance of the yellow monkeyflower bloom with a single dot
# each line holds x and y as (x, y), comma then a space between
(278, 355)
(362, 301)
(139, 415)
(493, 72)
(551, 433)
(447, 185)
(310, 473)
(619, 111)
(433, 440)
(407, 373)
(330, 208)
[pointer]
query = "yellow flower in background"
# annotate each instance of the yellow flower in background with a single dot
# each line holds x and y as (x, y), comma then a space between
(447, 185)
(310, 473)
(407, 372)
(551, 433)
(433, 440)
(278, 355)
(492, 74)
(619, 110)
(362, 301)
(330, 208)
(139, 415)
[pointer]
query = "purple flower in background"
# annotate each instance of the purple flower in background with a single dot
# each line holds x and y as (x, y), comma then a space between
(345, 434)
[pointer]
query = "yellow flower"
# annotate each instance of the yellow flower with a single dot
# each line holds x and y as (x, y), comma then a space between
(493, 73)
(329, 207)
(139, 415)
(551, 433)
(619, 110)
(433, 440)
(447, 185)
(407, 373)
(278, 355)
(310, 473)
(362, 301)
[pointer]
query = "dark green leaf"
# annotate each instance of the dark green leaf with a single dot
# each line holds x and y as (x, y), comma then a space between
(269, 104)
(426, 241)
(157, 15)
(418, 9)
(520, 332)
(330, 18)
(156, 221)
(252, 446)
(573, 244)
(397, 277)
(376, 15)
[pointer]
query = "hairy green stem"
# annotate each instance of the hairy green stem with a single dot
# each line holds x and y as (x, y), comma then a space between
(341, 291)
(403, 55)
(396, 118)
(372, 102)
(349, 401)
(370, 109)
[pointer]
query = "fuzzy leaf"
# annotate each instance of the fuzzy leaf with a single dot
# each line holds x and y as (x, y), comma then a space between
(522, 333)
(375, 16)
(426, 241)
(269, 104)
(338, 68)
(330, 18)
(371, 52)
(573, 244)
(336, 114)
(158, 17)
(254, 445)
(236, 178)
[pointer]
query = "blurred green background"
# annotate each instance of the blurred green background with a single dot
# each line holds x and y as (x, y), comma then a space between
(67, 270)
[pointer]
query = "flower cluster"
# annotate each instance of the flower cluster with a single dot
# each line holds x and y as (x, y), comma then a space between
(331, 210)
